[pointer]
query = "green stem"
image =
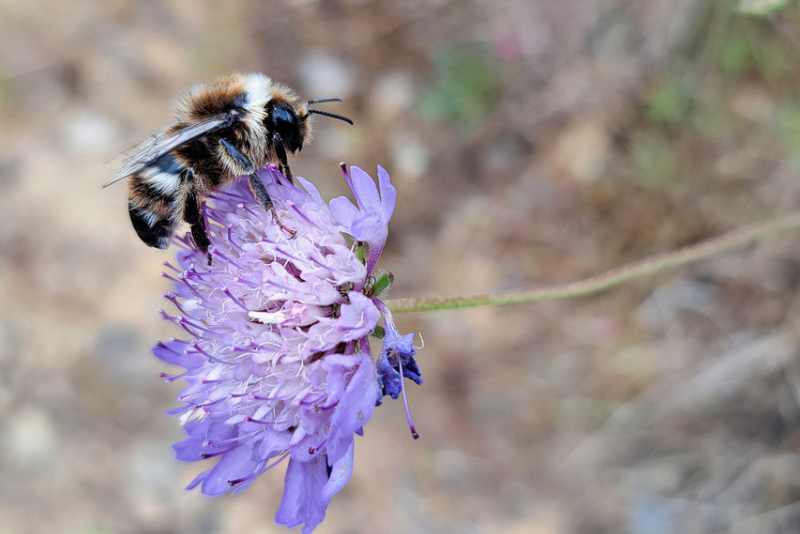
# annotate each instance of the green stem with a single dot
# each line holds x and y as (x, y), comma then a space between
(600, 282)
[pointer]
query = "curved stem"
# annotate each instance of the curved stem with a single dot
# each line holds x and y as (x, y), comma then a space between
(602, 281)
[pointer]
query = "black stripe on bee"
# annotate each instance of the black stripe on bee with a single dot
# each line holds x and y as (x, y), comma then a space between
(155, 231)
(145, 194)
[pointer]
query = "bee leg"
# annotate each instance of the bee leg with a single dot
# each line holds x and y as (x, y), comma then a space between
(238, 157)
(261, 192)
(201, 238)
(255, 181)
(280, 151)
(192, 214)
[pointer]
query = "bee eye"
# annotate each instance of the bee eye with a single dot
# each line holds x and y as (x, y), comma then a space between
(283, 120)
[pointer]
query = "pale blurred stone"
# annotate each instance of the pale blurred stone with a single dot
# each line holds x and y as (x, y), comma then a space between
(392, 95)
(88, 133)
(679, 295)
(583, 149)
(335, 141)
(30, 436)
(326, 76)
(753, 104)
(410, 156)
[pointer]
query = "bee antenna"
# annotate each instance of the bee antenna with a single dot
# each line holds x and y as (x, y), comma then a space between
(323, 100)
(333, 115)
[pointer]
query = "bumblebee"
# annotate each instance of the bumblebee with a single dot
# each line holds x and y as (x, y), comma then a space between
(226, 129)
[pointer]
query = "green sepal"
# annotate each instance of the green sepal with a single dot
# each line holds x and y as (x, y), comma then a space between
(361, 252)
(382, 284)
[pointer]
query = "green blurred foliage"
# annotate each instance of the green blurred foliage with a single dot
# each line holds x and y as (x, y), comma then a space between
(735, 55)
(760, 8)
(789, 127)
(746, 62)
(467, 86)
(655, 161)
(745, 45)
(713, 120)
(669, 104)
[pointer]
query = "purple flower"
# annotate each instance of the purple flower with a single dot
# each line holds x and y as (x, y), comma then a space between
(396, 359)
(277, 358)
(369, 221)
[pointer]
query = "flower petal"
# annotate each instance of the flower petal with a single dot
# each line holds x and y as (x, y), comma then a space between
(365, 191)
(233, 465)
(302, 501)
(388, 194)
(358, 402)
(339, 473)
(344, 211)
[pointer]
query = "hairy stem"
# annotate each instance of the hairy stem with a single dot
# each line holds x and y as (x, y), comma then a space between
(602, 281)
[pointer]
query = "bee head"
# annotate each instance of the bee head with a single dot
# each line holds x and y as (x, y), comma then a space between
(282, 119)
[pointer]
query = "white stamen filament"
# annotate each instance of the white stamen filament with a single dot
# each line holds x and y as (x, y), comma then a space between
(414, 432)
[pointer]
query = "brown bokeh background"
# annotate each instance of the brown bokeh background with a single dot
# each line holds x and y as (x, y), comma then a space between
(530, 141)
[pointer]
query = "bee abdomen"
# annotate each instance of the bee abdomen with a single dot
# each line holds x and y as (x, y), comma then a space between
(153, 206)
(155, 230)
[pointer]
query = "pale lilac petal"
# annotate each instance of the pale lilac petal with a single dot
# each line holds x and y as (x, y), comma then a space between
(311, 188)
(190, 449)
(388, 194)
(358, 401)
(302, 502)
(233, 465)
(365, 191)
(340, 473)
(344, 211)
(368, 228)
(369, 220)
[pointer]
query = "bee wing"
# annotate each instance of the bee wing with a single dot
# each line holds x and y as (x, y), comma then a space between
(155, 147)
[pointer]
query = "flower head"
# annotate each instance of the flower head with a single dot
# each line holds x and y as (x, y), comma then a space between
(277, 358)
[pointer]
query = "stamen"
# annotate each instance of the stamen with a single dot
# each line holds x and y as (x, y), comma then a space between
(172, 279)
(164, 346)
(414, 432)
(185, 324)
(231, 241)
(232, 441)
(208, 355)
(173, 297)
(254, 475)
(317, 408)
(172, 378)
(207, 455)
(216, 252)
(247, 282)
(234, 299)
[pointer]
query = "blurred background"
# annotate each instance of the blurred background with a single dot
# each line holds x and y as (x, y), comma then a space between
(531, 141)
